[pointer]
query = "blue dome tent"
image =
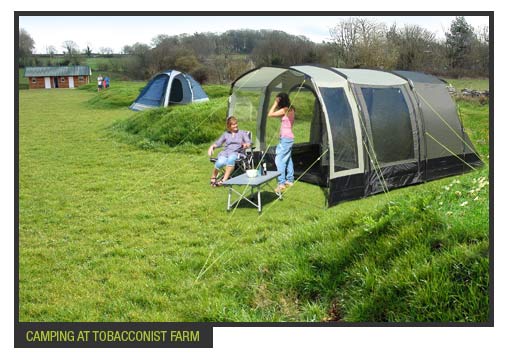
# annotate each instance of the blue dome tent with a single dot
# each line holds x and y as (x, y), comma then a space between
(167, 88)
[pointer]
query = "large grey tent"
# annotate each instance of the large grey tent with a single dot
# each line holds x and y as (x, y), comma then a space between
(357, 132)
(169, 87)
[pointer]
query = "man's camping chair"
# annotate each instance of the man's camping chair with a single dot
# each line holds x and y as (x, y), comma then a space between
(244, 162)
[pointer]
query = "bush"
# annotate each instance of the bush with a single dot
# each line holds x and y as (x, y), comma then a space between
(200, 75)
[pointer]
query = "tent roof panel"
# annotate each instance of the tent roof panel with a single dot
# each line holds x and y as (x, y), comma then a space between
(371, 77)
(258, 78)
(323, 77)
(419, 77)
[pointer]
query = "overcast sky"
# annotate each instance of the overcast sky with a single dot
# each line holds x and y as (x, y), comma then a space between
(117, 31)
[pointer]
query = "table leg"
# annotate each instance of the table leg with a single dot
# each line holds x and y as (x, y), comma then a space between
(259, 201)
(229, 198)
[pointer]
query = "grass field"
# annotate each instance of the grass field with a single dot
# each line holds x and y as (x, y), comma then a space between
(470, 83)
(115, 230)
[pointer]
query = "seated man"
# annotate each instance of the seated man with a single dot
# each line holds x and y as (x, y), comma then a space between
(235, 141)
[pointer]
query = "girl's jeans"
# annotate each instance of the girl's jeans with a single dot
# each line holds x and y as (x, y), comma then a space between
(284, 161)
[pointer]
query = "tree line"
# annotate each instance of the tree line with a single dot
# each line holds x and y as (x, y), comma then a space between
(354, 43)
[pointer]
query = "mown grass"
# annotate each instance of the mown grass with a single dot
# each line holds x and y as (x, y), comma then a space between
(112, 232)
(480, 84)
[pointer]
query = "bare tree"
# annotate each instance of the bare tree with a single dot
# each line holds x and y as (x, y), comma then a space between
(71, 52)
(345, 38)
(51, 50)
(415, 47)
(70, 47)
(88, 51)
(361, 42)
(106, 51)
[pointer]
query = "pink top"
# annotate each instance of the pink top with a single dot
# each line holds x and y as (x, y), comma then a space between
(286, 125)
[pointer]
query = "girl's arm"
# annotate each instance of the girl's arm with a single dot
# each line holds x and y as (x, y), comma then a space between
(276, 113)
(216, 144)
(211, 149)
(246, 141)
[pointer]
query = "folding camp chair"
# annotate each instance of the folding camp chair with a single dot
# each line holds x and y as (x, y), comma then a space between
(244, 162)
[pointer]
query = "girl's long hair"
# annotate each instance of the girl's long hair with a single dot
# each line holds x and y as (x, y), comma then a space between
(284, 100)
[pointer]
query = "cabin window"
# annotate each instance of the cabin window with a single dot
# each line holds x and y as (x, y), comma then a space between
(81, 79)
(62, 79)
(34, 80)
(390, 124)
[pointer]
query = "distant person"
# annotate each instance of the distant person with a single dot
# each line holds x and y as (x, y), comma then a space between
(282, 109)
(235, 141)
(106, 82)
(99, 83)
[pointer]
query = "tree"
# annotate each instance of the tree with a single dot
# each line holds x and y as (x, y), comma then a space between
(280, 48)
(136, 65)
(459, 41)
(70, 47)
(26, 47)
(202, 44)
(51, 50)
(480, 52)
(360, 42)
(88, 51)
(71, 53)
(106, 51)
(414, 47)
(187, 63)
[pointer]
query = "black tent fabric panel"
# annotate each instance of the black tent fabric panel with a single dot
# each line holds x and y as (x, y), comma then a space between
(346, 188)
(473, 160)
(391, 177)
(451, 165)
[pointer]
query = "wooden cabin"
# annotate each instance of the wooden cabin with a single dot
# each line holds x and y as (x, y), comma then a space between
(58, 76)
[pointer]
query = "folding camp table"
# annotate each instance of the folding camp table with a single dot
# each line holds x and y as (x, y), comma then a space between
(255, 186)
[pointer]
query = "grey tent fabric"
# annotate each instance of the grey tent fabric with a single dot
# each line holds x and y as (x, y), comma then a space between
(368, 131)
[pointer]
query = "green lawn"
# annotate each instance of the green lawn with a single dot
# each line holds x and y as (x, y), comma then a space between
(113, 232)
(480, 84)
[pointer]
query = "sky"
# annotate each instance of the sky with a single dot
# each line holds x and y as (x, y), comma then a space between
(117, 31)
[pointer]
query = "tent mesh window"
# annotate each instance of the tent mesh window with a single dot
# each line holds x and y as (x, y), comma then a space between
(390, 124)
(245, 106)
(344, 140)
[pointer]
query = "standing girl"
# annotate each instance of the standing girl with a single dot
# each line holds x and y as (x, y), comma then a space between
(282, 108)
